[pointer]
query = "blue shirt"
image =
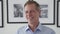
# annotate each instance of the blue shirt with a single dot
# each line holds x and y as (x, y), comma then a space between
(39, 30)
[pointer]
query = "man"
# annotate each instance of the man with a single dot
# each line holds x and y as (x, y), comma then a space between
(32, 13)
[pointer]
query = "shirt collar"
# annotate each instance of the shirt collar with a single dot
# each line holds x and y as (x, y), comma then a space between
(38, 28)
(27, 28)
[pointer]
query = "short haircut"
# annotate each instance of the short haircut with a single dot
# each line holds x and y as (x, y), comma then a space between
(32, 2)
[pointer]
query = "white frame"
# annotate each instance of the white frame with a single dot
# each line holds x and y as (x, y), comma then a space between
(58, 13)
(1, 13)
(46, 21)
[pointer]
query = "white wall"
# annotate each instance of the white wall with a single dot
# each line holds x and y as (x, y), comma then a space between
(12, 28)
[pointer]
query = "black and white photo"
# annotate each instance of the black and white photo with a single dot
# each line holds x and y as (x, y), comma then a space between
(15, 11)
(18, 10)
(44, 11)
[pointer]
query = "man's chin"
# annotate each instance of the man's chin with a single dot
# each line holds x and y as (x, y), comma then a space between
(31, 21)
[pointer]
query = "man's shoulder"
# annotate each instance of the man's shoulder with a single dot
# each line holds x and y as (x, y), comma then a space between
(47, 29)
(22, 28)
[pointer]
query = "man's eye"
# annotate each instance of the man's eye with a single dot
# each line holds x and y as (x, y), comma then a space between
(26, 11)
(32, 11)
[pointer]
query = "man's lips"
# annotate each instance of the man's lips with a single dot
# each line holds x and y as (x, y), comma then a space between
(30, 17)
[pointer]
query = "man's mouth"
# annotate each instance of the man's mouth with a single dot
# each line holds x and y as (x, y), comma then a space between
(30, 17)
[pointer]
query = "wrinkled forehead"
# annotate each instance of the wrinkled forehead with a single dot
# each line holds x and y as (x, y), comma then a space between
(30, 5)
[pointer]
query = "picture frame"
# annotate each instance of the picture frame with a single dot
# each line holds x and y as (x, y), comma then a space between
(58, 15)
(13, 5)
(1, 13)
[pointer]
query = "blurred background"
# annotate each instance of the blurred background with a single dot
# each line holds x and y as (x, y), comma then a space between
(12, 28)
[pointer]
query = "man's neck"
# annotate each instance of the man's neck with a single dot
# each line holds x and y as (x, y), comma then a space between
(33, 26)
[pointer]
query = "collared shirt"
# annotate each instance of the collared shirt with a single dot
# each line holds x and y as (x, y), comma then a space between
(39, 30)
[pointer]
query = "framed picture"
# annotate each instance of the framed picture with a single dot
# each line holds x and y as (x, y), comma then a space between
(15, 11)
(47, 12)
(1, 13)
(58, 13)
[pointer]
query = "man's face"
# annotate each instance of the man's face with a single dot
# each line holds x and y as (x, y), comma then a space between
(31, 13)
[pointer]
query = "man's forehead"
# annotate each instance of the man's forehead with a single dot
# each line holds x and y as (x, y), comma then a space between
(30, 7)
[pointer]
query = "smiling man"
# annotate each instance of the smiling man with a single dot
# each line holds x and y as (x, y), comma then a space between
(32, 13)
